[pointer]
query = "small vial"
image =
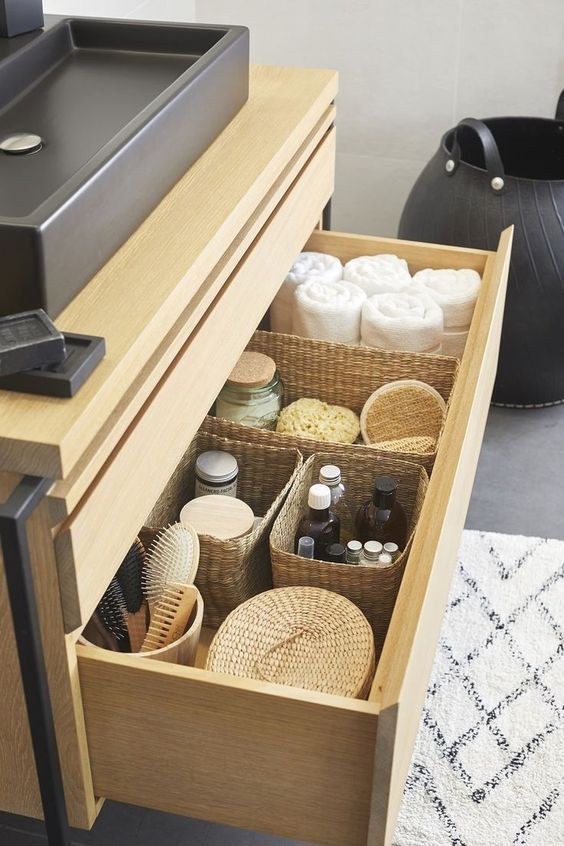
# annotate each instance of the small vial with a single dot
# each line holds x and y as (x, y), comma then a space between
(305, 547)
(371, 553)
(330, 475)
(354, 551)
(384, 559)
(392, 549)
(335, 553)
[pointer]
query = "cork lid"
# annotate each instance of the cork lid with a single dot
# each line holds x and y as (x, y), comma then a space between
(253, 370)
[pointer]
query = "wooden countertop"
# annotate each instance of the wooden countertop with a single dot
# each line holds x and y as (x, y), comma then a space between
(159, 276)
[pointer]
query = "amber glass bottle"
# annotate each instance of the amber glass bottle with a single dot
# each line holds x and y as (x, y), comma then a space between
(319, 523)
(382, 518)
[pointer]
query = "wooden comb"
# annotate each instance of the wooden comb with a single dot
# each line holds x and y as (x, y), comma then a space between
(170, 616)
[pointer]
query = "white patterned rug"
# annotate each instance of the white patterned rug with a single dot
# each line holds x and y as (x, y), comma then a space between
(488, 766)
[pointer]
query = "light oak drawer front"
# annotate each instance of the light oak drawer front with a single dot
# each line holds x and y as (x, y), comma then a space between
(238, 752)
(94, 540)
(294, 763)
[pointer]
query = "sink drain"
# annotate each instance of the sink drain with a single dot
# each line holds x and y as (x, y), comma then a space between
(21, 144)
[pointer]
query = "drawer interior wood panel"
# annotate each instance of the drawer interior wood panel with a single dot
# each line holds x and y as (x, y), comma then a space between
(243, 753)
(406, 662)
(89, 547)
(405, 665)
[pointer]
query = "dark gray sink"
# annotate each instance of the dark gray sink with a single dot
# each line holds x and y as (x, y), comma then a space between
(123, 109)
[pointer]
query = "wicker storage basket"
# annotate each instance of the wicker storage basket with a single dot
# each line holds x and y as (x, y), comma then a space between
(342, 375)
(303, 637)
(373, 589)
(231, 571)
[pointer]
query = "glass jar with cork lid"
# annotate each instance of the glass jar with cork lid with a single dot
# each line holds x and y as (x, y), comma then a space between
(253, 392)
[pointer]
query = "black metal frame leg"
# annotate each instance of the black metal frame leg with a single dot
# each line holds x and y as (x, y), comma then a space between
(19, 577)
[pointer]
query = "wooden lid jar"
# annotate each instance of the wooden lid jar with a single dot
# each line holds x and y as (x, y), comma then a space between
(253, 392)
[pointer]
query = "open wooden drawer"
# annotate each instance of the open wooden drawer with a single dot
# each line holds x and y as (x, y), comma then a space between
(299, 764)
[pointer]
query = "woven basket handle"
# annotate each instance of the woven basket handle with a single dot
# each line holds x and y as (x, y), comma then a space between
(560, 107)
(294, 634)
(494, 165)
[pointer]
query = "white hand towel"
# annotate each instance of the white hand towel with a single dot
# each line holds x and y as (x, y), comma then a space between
(455, 291)
(378, 274)
(410, 320)
(307, 266)
(328, 311)
(454, 342)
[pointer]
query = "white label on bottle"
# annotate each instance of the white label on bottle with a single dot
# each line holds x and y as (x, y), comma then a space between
(203, 489)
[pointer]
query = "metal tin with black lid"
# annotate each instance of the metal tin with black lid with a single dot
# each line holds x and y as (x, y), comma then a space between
(216, 473)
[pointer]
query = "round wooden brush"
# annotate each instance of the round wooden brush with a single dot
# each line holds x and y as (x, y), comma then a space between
(129, 577)
(172, 557)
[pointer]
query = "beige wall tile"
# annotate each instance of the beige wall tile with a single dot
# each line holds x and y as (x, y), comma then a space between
(511, 58)
(370, 193)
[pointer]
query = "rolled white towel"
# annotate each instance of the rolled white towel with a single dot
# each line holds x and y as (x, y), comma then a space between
(455, 291)
(328, 311)
(409, 320)
(320, 266)
(454, 342)
(378, 274)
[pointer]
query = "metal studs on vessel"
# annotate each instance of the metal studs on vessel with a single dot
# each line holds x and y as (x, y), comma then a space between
(497, 183)
(449, 166)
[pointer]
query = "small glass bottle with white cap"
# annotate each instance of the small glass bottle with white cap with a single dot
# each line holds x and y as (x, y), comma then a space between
(371, 553)
(392, 549)
(319, 523)
(354, 552)
(331, 476)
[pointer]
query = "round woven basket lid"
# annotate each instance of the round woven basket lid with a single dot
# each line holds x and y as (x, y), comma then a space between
(405, 416)
(299, 636)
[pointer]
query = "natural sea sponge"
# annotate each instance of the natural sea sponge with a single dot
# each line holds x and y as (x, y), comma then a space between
(317, 420)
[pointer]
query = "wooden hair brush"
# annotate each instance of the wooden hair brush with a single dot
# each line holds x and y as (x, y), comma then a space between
(173, 557)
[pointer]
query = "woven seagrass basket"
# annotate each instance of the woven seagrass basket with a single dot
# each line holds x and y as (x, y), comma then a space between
(300, 636)
(231, 571)
(372, 589)
(342, 375)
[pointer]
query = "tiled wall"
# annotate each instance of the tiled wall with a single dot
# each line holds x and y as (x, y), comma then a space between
(409, 70)
(165, 10)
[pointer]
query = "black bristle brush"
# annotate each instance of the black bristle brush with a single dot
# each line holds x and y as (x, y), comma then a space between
(113, 613)
(129, 579)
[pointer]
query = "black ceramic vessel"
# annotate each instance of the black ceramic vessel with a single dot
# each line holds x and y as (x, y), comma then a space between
(485, 176)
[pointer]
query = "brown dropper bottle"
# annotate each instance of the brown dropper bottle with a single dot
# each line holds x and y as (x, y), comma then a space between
(319, 522)
(382, 518)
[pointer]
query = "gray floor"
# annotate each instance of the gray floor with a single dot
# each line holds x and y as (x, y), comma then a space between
(518, 490)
